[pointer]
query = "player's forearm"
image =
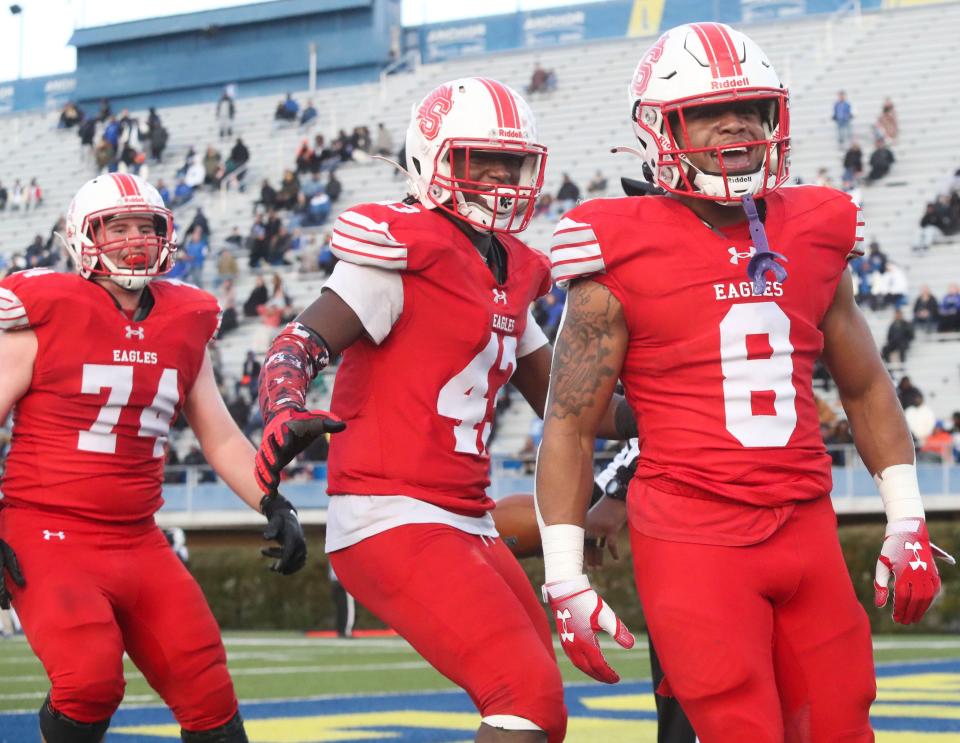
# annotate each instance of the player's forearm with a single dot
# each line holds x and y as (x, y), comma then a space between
(564, 474)
(232, 459)
(879, 429)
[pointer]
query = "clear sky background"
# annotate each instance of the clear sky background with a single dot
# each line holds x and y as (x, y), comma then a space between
(49, 24)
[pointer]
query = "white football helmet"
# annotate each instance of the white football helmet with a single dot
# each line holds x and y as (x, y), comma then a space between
(107, 197)
(475, 114)
(703, 64)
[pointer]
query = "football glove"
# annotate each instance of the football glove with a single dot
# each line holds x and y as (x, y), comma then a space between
(287, 434)
(580, 614)
(907, 555)
(283, 526)
(8, 564)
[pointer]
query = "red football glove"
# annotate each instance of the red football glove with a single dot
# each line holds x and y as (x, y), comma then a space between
(580, 614)
(908, 555)
(287, 434)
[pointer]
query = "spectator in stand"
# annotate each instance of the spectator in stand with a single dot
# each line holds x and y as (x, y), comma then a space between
(196, 174)
(839, 438)
(567, 196)
(899, 338)
(384, 142)
(163, 191)
(227, 268)
(153, 119)
(196, 255)
(850, 187)
(843, 117)
(158, 141)
(876, 258)
(950, 310)
(926, 310)
(277, 310)
(200, 220)
(309, 113)
(538, 80)
(937, 447)
(250, 374)
(823, 178)
(886, 126)
(279, 246)
(87, 131)
(305, 157)
(257, 298)
(888, 287)
(235, 239)
(853, 161)
(226, 110)
(182, 193)
(34, 195)
(597, 185)
(937, 222)
(317, 210)
(111, 133)
(906, 392)
(311, 186)
(544, 206)
(227, 296)
(360, 140)
(236, 163)
(333, 188)
(881, 161)
(287, 109)
(105, 111)
(920, 418)
(17, 196)
(257, 243)
(35, 252)
(289, 190)
(70, 116)
(268, 196)
(342, 147)
(3, 197)
(212, 161)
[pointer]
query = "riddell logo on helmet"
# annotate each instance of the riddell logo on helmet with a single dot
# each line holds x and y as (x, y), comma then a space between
(730, 82)
(512, 133)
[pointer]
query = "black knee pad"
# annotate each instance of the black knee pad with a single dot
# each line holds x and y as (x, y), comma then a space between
(230, 732)
(58, 728)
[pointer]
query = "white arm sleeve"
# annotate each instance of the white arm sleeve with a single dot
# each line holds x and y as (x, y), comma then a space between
(532, 338)
(374, 294)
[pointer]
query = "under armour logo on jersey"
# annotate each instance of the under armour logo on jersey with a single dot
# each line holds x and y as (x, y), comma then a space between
(499, 295)
(48, 535)
(741, 255)
(563, 616)
(916, 563)
(133, 332)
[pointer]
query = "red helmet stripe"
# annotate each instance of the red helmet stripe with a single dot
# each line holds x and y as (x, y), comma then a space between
(126, 184)
(507, 115)
(720, 50)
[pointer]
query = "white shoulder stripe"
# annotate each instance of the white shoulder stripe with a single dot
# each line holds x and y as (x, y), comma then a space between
(569, 233)
(562, 255)
(13, 314)
(364, 254)
(564, 273)
(362, 226)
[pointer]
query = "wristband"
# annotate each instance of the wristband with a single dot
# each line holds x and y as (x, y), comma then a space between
(562, 552)
(900, 492)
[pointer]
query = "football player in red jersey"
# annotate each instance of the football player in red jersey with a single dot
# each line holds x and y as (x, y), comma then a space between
(714, 335)
(95, 366)
(430, 307)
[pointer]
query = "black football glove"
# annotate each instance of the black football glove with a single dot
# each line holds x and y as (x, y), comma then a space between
(284, 527)
(287, 434)
(9, 564)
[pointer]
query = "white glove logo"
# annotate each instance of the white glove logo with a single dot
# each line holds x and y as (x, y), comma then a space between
(563, 616)
(915, 547)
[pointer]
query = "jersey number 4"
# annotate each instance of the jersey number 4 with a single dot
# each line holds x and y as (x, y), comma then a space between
(154, 420)
(467, 397)
(750, 381)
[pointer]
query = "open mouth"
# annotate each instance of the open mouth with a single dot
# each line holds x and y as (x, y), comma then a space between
(736, 159)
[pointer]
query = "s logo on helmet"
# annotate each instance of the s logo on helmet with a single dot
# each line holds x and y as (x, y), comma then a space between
(434, 108)
(641, 78)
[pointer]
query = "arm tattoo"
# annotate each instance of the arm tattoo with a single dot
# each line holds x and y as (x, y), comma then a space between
(580, 363)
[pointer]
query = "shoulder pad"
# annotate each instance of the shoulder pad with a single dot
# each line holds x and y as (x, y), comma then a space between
(575, 250)
(27, 296)
(363, 235)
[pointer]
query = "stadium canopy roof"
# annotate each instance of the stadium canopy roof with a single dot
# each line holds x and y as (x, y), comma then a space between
(177, 24)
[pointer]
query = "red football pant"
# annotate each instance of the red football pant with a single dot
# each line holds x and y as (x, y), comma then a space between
(765, 643)
(465, 604)
(101, 590)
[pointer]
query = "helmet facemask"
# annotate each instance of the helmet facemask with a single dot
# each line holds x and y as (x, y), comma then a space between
(662, 129)
(95, 256)
(487, 206)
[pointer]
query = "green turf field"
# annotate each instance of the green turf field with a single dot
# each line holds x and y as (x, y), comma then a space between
(291, 675)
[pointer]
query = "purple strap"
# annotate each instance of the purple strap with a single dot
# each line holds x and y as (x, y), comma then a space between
(765, 259)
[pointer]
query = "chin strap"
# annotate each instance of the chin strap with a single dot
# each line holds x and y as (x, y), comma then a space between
(765, 259)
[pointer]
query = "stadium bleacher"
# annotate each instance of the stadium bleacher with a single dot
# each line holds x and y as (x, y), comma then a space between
(894, 53)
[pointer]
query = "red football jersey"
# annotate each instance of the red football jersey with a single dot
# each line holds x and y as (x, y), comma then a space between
(720, 379)
(419, 406)
(89, 435)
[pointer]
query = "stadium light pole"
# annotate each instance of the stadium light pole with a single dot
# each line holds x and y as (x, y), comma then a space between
(18, 11)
